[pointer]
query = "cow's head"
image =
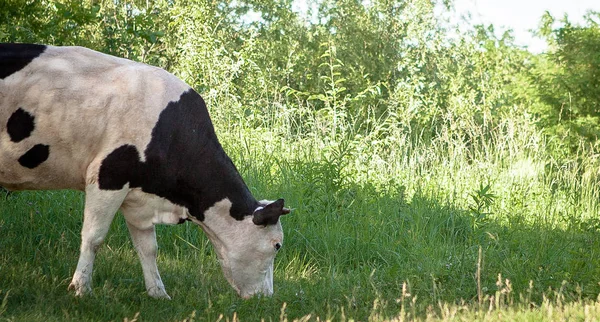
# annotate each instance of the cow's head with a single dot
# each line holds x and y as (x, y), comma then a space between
(246, 248)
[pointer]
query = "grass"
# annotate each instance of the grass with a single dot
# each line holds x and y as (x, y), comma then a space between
(428, 231)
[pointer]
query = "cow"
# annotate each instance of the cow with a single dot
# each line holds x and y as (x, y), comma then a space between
(134, 138)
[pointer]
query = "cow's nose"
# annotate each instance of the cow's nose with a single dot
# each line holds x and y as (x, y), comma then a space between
(266, 290)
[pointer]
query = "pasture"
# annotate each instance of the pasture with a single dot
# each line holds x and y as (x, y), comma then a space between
(433, 240)
(431, 176)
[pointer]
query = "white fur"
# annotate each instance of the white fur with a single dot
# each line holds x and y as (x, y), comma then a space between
(100, 208)
(142, 211)
(246, 251)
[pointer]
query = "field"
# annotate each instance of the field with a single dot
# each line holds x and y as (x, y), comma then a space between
(430, 176)
(444, 237)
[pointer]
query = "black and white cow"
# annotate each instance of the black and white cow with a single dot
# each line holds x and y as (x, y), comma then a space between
(135, 138)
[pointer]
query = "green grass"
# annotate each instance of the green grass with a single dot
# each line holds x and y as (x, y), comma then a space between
(370, 237)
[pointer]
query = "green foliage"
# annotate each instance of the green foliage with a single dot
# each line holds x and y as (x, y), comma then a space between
(4, 303)
(482, 199)
(567, 82)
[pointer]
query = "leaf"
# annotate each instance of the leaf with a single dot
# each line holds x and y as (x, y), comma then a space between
(319, 97)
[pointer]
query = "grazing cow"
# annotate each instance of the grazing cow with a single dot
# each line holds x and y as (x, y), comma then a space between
(135, 138)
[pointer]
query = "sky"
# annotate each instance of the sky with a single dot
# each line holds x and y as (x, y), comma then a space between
(519, 15)
(523, 15)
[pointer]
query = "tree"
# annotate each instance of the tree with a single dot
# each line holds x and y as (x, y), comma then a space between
(568, 78)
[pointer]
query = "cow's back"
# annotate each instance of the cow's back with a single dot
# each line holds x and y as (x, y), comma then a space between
(63, 110)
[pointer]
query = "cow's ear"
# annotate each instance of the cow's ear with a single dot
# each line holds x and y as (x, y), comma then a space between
(269, 214)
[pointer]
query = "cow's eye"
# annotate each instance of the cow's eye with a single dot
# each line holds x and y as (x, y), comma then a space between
(277, 246)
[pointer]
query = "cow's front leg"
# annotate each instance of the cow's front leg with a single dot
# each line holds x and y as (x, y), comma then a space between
(100, 209)
(144, 241)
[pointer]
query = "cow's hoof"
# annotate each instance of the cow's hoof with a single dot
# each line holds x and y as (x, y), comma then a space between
(158, 293)
(80, 288)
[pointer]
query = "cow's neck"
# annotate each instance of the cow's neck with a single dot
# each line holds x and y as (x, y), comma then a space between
(228, 184)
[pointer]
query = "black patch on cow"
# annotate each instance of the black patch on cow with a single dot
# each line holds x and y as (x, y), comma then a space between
(185, 163)
(20, 125)
(124, 164)
(35, 156)
(14, 57)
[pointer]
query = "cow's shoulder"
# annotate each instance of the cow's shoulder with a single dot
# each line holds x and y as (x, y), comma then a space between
(183, 162)
(181, 149)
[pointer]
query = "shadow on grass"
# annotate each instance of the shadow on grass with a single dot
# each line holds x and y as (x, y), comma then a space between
(365, 243)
